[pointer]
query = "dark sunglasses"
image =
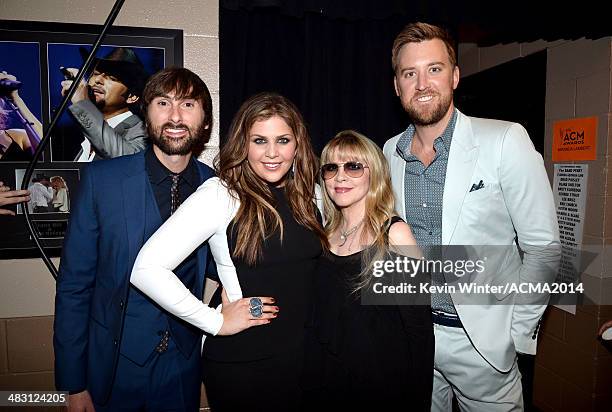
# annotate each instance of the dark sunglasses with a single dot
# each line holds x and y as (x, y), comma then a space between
(351, 169)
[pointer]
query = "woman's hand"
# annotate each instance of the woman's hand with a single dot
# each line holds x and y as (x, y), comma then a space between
(237, 315)
(14, 95)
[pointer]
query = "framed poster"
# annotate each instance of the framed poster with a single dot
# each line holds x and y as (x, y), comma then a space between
(36, 63)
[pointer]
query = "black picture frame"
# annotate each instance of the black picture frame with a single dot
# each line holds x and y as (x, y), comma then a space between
(35, 65)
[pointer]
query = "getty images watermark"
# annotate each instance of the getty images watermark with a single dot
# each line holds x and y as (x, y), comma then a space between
(476, 275)
(411, 267)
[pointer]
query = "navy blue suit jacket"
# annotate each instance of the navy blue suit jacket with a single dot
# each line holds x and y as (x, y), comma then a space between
(105, 233)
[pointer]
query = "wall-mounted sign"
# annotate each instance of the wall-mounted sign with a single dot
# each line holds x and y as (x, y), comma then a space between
(575, 139)
(570, 191)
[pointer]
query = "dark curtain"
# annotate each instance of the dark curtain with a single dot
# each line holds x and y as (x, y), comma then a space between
(338, 72)
(514, 91)
(333, 58)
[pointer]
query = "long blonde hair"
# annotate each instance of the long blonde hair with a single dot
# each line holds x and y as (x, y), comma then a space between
(349, 145)
(257, 218)
(60, 180)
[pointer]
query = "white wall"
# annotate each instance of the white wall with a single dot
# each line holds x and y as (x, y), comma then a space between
(26, 288)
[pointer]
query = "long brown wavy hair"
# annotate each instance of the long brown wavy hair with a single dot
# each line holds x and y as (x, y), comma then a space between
(257, 218)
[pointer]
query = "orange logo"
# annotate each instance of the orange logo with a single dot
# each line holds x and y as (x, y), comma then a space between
(575, 139)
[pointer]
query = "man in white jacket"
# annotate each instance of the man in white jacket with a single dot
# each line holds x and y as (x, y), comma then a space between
(466, 181)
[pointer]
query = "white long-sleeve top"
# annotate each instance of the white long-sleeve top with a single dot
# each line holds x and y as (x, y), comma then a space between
(204, 216)
(60, 200)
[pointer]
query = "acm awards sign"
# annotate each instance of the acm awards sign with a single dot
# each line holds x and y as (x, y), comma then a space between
(575, 139)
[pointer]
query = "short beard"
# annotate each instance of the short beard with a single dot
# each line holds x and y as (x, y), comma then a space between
(99, 103)
(429, 118)
(170, 146)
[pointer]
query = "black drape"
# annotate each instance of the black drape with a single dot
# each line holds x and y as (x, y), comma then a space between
(333, 58)
(338, 72)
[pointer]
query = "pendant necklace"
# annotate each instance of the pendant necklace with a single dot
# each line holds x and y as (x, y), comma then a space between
(345, 234)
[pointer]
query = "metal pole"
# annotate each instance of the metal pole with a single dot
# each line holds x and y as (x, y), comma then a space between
(45, 140)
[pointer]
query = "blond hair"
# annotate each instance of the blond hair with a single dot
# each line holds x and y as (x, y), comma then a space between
(60, 180)
(349, 145)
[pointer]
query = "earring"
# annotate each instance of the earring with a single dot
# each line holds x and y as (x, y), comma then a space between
(293, 169)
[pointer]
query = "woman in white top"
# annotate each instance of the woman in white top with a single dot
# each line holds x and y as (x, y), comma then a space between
(260, 220)
(60, 201)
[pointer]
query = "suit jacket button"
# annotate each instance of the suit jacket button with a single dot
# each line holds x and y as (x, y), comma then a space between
(115, 342)
(121, 304)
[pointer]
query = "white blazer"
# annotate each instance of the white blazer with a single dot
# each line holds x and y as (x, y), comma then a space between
(516, 200)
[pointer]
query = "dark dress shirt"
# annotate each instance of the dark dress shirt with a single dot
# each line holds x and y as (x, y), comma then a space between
(423, 194)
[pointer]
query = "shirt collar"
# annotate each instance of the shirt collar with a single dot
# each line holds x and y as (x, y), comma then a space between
(447, 134)
(158, 172)
(405, 141)
(115, 120)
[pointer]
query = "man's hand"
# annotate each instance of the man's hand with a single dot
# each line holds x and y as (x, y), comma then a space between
(80, 402)
(80, 93)
(11, 197)
(237, 315)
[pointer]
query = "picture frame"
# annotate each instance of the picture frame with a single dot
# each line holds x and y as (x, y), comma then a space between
(36, 55)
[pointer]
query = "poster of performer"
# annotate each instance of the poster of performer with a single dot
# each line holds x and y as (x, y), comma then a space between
(38, 63)
(20, 101)
(103, 119)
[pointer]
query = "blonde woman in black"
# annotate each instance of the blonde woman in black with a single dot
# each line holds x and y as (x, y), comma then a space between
(365, 356)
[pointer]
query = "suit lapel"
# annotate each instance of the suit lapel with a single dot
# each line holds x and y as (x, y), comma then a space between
(461, 162)
(202, 254)
(142, 216)
(133, 188)
(122, 127)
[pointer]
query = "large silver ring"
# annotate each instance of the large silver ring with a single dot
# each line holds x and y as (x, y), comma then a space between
(256, 307)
